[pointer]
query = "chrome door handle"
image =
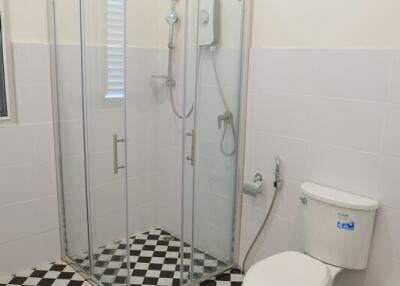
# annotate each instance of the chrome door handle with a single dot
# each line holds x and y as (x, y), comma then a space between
(193, 149)
(117, 140)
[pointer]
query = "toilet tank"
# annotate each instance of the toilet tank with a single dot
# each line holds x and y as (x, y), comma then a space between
(338, 226)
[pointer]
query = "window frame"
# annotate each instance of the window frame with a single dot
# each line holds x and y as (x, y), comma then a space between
(6, 69)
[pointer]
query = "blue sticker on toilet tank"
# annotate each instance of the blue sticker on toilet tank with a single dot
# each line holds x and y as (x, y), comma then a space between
(345, 225)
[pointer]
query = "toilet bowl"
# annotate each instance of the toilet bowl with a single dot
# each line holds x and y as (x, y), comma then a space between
(337, 229)
(291, 269)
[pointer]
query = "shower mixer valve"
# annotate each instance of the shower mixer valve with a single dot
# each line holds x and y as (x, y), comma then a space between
(226, 118)
(169, 82)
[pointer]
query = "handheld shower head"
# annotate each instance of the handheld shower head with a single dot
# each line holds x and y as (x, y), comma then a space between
(172, 17)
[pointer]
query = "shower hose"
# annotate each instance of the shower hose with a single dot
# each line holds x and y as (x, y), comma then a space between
(227, 122)
(271, 206)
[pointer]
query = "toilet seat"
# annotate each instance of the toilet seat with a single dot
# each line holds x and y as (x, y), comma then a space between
(288, 269)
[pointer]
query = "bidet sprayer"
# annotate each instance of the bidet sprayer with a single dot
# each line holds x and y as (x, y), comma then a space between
(278, 183)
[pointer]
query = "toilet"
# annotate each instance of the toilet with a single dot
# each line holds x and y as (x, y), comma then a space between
(337, 233)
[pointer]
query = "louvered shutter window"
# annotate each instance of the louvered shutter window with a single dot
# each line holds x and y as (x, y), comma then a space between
(115, 49)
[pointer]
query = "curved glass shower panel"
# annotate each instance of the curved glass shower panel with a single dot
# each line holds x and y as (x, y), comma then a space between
(71, 129)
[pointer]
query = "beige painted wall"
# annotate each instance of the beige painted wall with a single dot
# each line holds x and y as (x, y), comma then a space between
(276, 23)
(326, 24)
(146, 23)
(28, 21)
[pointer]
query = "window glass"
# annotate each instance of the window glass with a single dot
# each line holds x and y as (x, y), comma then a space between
(3, 95)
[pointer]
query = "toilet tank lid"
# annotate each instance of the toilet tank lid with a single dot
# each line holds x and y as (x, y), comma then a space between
(338, 198)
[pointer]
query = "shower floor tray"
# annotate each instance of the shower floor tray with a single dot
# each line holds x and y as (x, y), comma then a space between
(154, 260)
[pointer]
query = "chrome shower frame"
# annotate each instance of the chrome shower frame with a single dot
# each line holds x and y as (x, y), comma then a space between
(246, 39)
(246, 45)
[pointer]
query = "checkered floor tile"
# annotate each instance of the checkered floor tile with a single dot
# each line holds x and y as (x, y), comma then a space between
(233, 277)
(60, 274)
(154, 260)
(56, 274)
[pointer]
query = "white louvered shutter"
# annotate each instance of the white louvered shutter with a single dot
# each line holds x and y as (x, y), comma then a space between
(115, 49)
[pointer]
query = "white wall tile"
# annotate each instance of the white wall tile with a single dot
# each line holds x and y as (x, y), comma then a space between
(16, 145)
(40, 64)
(282, 70)
(345, 169)
(351, 124)
(28, 203)
(22, 58)
(394, 86)
(353, 73)
(25, 219)
(350, 142)
(18, 220)
(391, 138)
(266, 146)
(34, 103)
(387, 235)
(389, 182)
(282, 114)
(24, 254)
(16, 187)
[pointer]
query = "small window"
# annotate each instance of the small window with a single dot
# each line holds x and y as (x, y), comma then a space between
(115, 49)
(7, 92)
(4, 103)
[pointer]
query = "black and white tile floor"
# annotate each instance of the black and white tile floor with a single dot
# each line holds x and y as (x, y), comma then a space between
(55, 274)
(61, 274)
(153, 261)
(234, 277)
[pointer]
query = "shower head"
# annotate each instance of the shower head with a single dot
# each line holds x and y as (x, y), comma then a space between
(172, 17)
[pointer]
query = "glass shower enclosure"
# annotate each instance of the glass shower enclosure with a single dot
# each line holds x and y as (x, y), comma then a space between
(147, 104)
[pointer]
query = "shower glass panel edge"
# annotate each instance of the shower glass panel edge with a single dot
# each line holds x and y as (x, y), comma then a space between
(85, 138)
(56, 122)
(236, 52)
(246, 45)
(57, 127)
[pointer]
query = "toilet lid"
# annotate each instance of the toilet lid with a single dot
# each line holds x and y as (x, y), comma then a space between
(288, 269)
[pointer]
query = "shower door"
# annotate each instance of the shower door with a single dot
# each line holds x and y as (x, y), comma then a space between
(90, 45)
(213, 82)
(103, 54)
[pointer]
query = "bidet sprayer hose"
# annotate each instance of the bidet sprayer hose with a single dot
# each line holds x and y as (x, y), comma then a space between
(260, 231)
(277, 188)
